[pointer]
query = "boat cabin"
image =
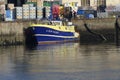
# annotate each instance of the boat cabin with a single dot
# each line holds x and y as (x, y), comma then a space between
(58, 23)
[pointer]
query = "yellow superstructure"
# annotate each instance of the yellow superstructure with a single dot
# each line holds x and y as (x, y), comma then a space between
(56, 27)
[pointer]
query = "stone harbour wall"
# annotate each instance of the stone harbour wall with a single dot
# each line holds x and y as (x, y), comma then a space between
(104, 27)
(12, 32)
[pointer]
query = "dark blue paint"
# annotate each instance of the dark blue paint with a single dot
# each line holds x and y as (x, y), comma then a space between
(49, 31)
(44, 30)
(48, 38)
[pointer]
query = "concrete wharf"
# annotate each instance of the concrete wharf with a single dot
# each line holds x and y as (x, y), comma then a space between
(11, 33)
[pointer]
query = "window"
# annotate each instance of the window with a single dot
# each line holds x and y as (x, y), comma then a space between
(101, 2)
(85, 2)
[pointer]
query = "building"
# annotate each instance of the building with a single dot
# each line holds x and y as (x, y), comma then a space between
(96, 3)
(71, 2)
(85, 2)
(16, 2)
(112, 2)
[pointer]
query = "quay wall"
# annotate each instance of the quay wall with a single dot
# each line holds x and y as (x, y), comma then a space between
(104, 27)
(12, 32)
(95, 24)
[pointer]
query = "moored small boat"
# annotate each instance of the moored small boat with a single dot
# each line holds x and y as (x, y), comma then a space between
(50, 32)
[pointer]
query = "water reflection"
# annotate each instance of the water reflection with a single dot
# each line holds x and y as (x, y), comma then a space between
(68, 61)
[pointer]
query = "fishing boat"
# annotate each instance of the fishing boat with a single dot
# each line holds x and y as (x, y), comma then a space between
(50, 32)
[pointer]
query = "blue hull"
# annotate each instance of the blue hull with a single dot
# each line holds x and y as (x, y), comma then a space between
(42, 35)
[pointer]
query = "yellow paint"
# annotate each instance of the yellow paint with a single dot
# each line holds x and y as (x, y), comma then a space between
(56, 27)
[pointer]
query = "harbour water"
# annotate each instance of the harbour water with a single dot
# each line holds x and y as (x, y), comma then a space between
(67, 61)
